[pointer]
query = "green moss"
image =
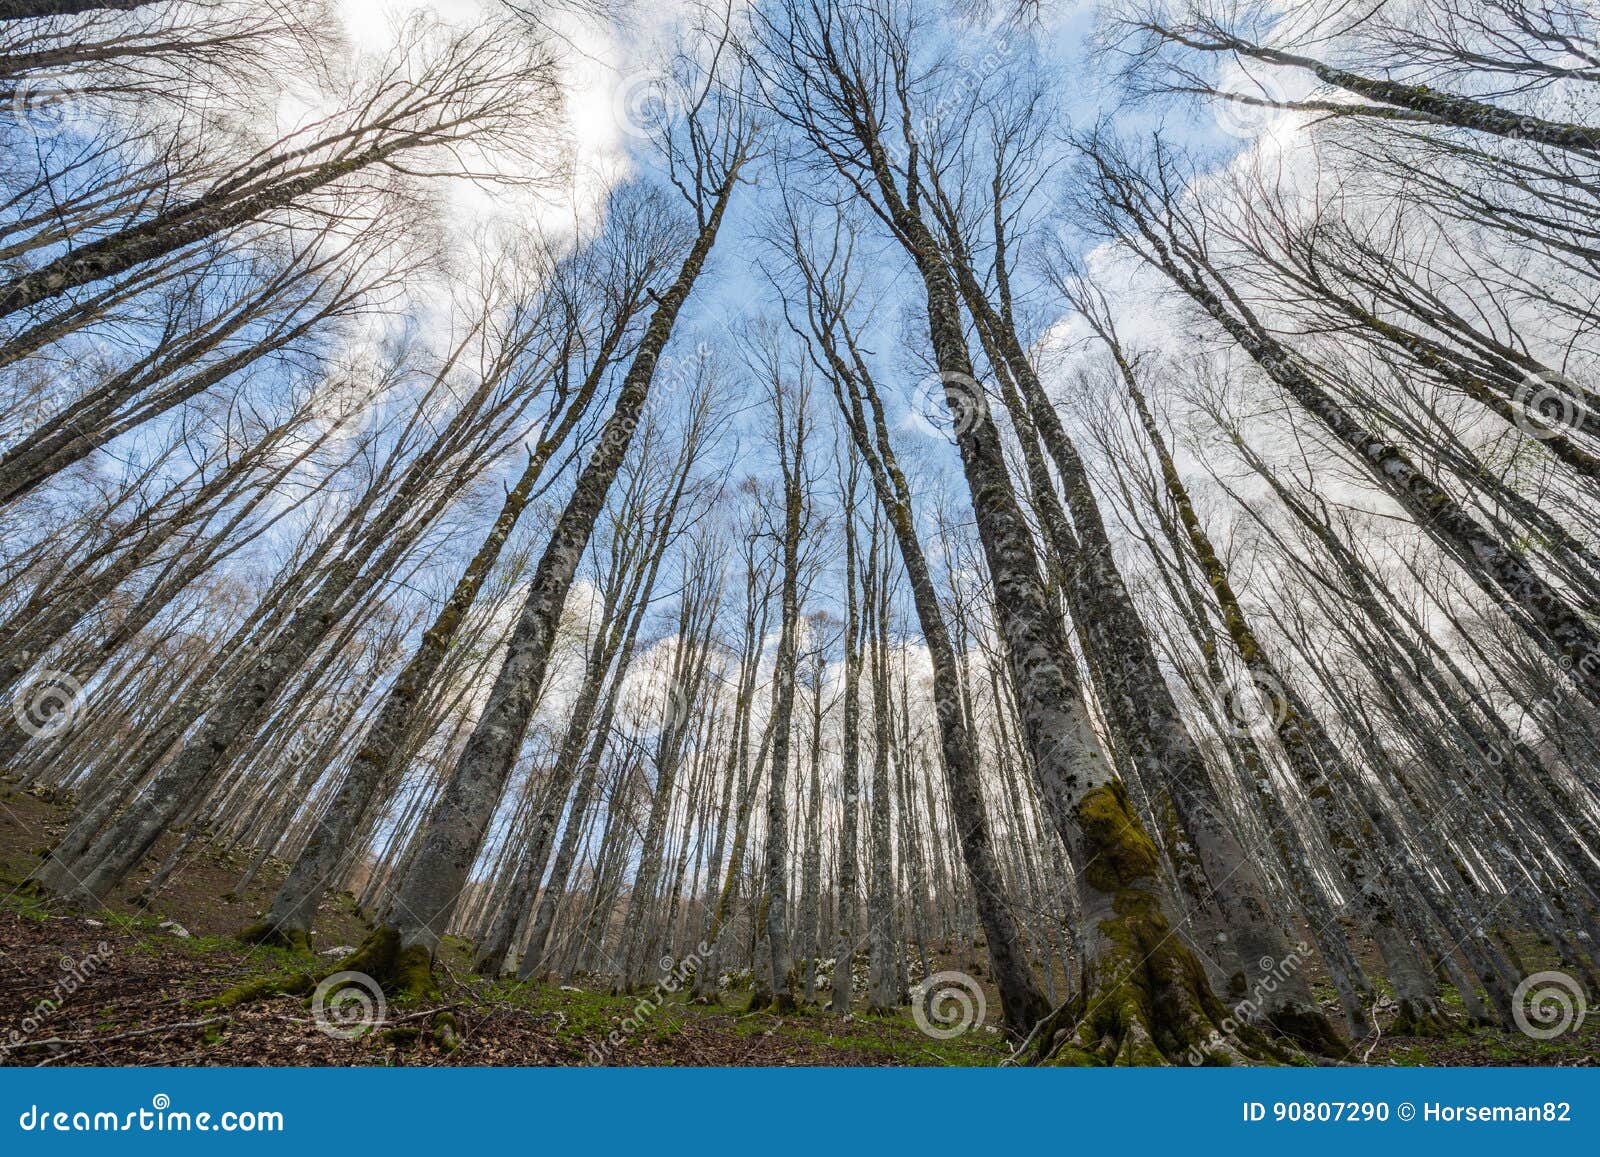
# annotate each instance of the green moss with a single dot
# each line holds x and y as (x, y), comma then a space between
(1145, 999)
(261, 988)
(445, 1032)
(27, 900)
(1117, 852)
(271, 935)
(404, 974)
(1417, 1019)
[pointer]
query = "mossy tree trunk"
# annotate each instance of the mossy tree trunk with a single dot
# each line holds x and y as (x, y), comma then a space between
(1023, 1003)
(1227, 895)
(1145, 997)
(791, 402)
(612, 651)
(423, 901)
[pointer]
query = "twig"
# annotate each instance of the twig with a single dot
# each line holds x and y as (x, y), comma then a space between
(1023, 1047)
(56, 1041)
(426, 1012)
(54, 1057)
(1377, 1034)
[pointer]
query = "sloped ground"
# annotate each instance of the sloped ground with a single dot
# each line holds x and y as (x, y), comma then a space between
(126, 986)
(152, 982)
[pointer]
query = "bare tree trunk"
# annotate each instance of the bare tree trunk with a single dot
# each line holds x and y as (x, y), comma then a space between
(424, 901)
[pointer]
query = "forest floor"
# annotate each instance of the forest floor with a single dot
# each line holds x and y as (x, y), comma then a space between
(127, 986)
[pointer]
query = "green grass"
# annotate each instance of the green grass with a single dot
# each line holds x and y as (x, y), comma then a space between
(893, 1037)
(585, 1017)
(1491, 1046)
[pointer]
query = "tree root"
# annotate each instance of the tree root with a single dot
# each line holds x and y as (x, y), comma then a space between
(270, 935)
(262, 988)
(1145, 998)
(1149, 1004)
(760, 999)
(1420, 1016)
(1309, 1029)
(401, 975)
(404, 974)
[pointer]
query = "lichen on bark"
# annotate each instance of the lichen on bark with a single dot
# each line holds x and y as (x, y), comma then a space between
(1145, 998)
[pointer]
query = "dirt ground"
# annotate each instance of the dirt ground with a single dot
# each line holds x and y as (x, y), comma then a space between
(126, 986)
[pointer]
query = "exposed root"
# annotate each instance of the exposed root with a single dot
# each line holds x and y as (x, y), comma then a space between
(271, 935)
(1146, 999)
(33, 889)
(445, 1032)
(760, 998)
(403, 973)
(1309, 1029)
(262, 988)
(1149, 1003)
(1420, 1016)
